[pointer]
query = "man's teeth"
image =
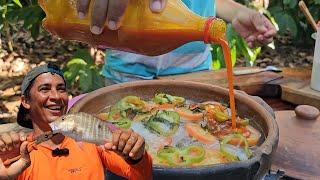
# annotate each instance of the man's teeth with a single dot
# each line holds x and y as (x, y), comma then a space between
(54, 107)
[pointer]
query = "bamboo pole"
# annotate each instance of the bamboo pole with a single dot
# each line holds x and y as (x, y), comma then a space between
(309, 17)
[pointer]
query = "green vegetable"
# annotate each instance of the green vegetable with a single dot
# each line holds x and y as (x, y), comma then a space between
(220, 116)
(159, 99)
(130, 102)
(181, 157)
(166, 98)
(115, 114)
(123, 123)
(167, 153)
(164, 122)
(133, 103)
(243, 122)
(234, 153)
(193, 154)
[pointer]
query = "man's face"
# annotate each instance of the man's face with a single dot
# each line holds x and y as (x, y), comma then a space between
(48, 98)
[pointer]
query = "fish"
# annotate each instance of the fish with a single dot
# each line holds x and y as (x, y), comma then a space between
(84, 127)
(79, 126)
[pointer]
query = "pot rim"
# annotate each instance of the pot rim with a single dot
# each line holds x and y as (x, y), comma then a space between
(266, 148)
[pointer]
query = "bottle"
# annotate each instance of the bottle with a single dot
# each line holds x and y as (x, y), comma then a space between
(315, 75)
(142, 31)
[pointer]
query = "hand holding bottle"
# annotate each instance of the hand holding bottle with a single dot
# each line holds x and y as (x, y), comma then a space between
(160, 33)
(110, 11)
(254, 27)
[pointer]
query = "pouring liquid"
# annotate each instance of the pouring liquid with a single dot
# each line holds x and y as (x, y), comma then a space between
(227, 59)
(210, 37)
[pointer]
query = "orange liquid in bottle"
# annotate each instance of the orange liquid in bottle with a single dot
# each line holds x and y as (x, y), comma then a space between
(141, 32)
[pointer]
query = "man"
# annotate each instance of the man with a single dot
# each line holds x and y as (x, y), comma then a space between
(44, 99)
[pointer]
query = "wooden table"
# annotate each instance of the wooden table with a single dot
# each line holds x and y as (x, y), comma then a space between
(283, 92)
(292, 85)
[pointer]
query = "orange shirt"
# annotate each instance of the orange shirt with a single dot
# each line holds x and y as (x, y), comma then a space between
(85, 161)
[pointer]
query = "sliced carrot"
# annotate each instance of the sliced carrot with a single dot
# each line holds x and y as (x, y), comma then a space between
(189, 115)
(150, 106)
(195, 131)
(213, 156)
(255, 136)
(103, 116)
(165, 106)
(167, 142)
(215, 105)
(253, 139)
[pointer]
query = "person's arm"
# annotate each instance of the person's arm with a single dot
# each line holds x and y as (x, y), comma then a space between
(254, 27)
(228, 9)
(126, 156)
(142, 170)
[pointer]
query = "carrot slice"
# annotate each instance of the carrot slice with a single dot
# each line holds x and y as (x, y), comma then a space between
(253, 139)
(212, 156)
(165, 106)
(167, 142)
(150, 106)
(194, 130)
(103, 116)
(189, 115)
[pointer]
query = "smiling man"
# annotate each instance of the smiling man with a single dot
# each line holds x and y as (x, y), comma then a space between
(44, 99)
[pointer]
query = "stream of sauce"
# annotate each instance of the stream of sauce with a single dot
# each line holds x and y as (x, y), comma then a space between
(209, 37)
(227, 59)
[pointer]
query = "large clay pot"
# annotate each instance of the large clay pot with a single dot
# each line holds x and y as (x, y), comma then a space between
(254, 168)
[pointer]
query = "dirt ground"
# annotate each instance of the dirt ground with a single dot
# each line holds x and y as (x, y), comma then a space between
(28, 53)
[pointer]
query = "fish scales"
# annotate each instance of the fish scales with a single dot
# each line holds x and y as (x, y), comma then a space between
(84, 127)
(80, 126)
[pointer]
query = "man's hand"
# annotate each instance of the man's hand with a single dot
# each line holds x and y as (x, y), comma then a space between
(111, 11)
(254, 27)
(11, 142)
(127, 143)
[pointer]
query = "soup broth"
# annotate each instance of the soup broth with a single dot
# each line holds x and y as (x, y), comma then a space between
(182, 133)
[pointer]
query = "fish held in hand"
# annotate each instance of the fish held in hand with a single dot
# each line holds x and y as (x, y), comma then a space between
(84, 127)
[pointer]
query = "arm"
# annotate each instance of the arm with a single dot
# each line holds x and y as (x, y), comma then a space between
(118, 165)
(228, 9)
(135, 162)
(255, 28)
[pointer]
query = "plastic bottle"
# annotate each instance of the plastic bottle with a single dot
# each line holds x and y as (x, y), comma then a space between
(142, 31)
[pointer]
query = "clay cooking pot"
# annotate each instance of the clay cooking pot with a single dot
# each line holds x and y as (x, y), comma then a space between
(254, 168)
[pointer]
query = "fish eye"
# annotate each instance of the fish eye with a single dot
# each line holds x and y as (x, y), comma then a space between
(62, 119)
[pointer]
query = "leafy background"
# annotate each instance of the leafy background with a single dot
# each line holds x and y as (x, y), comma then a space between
(82, 72)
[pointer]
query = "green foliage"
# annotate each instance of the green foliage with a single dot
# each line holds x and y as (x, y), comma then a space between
(81, 72)
(238, 47)
(290, 18)
(28, 12)
(285, 15)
